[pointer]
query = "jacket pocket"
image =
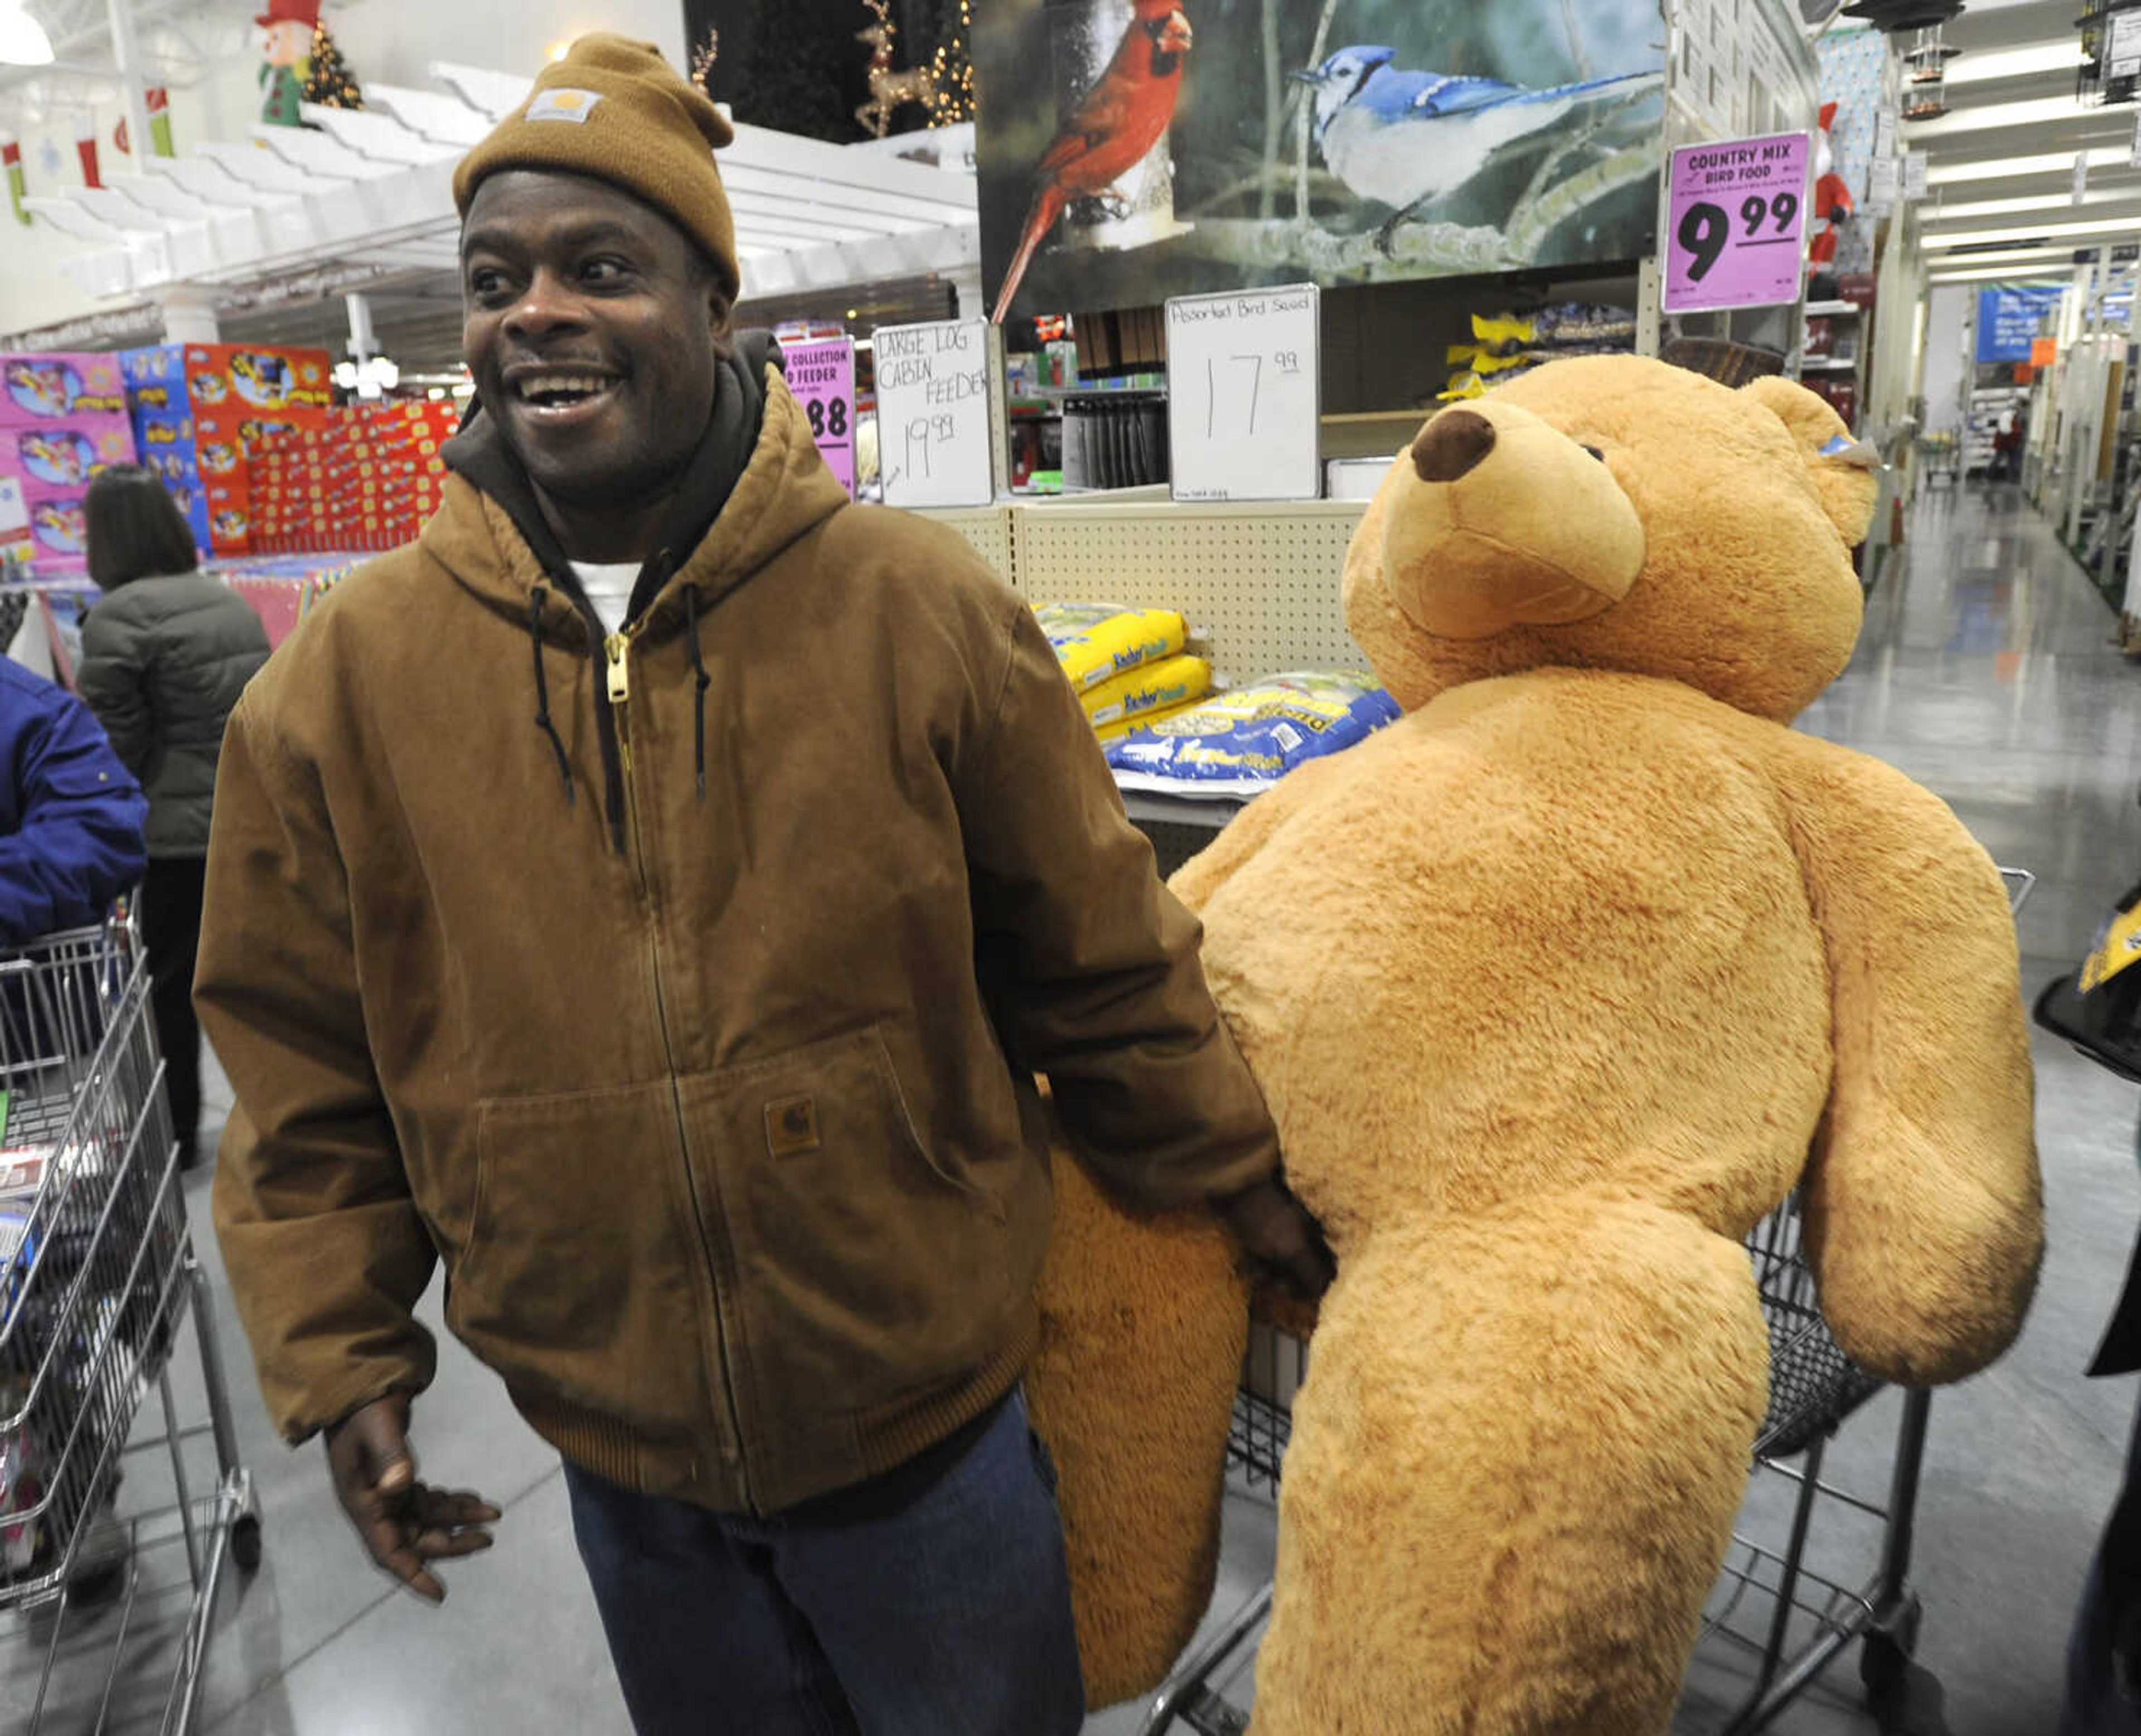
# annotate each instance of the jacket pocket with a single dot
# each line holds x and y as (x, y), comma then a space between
(867, 1269)
(577, 1280)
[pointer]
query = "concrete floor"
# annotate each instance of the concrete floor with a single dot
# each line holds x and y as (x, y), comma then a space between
(1985, 672)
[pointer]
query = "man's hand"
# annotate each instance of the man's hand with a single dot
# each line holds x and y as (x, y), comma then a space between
(405, 1525)
(1282, 1241)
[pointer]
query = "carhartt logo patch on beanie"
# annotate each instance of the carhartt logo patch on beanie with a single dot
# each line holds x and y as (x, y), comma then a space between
(615, 111)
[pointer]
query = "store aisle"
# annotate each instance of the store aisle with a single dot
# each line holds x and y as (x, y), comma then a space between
(1985, 672)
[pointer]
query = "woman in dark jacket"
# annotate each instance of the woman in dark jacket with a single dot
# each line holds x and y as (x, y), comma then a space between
(164, 657)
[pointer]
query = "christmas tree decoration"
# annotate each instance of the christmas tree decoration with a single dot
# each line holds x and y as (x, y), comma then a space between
(286, 64)
(331, 84)
(950, 97)
(18, 185)
(85, 144)
(890, 91)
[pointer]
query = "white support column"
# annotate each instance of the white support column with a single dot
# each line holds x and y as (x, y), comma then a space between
(189, 317)
(124, 58)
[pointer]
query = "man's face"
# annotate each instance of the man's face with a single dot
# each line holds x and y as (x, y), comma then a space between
(593, 329)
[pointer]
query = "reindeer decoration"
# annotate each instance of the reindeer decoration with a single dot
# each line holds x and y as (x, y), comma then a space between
(890, 91)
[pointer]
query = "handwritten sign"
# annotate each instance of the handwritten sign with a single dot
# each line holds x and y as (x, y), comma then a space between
(1245, 392)
(1737, 223)
(821, 376)
(936, 387)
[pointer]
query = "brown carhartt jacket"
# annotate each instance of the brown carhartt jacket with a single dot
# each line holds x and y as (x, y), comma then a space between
(726, 1136)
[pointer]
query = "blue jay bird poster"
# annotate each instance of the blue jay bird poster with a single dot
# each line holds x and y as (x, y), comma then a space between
(1130, 151)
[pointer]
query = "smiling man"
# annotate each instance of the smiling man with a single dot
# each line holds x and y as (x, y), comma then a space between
(652, 895)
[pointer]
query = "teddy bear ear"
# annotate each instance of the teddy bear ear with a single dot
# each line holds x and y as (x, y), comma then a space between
(1842, 469)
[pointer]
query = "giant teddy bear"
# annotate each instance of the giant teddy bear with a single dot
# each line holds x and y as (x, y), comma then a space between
(1555, 988)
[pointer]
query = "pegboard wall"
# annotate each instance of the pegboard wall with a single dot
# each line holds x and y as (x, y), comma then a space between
(988, 528)
(1260, 585)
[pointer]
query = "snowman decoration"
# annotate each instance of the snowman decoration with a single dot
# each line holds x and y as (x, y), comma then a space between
(290, 24)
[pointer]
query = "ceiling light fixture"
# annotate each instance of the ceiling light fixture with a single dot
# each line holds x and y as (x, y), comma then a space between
(2032, 111)
(2061, 55)
(2059, 163)
(1995, 273)
(2048, 203)
(23, 39)
(2036, 232)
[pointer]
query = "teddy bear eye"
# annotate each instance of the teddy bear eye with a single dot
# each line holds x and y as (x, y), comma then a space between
(1596, 453)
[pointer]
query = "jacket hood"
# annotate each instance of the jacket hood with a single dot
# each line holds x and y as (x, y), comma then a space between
(755, 485)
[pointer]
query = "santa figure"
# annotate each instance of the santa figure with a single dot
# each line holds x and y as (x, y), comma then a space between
(290, 24)
(1832, 194)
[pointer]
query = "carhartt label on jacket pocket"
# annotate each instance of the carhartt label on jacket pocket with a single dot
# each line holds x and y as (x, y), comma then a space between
(791, 1127)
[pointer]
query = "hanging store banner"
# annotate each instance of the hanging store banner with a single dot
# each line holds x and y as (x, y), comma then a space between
(1737, 223)
(821, 376)
(2008, 320)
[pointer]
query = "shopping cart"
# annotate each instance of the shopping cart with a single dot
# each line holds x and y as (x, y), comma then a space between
(97, 1275)
(1770, 1605)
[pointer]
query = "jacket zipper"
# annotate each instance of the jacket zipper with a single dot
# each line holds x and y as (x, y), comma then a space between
(618, 648)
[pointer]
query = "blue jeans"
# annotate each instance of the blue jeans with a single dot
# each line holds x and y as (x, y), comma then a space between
(950, 1616)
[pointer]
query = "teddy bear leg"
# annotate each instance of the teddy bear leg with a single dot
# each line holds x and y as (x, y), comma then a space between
(1144, 1319)
(1514, 1468)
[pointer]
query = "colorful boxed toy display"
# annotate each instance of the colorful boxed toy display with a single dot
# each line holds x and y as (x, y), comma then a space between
(62, 419)
(41, 389)
(204, 402)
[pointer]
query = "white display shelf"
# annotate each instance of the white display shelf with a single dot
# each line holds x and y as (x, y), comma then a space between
(1828, 365)
(1831, 310)
(376, 189)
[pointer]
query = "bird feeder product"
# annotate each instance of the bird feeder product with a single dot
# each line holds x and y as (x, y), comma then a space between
(1926, 59)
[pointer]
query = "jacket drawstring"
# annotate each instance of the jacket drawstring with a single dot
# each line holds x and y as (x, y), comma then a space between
(705, 681)
(543, 720)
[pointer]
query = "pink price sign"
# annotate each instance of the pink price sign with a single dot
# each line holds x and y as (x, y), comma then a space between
(821, 376)
(1737, 233)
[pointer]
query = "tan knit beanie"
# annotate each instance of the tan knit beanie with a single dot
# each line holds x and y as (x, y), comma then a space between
(613, 109)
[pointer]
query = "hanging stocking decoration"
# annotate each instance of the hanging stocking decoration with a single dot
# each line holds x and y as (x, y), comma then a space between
(157, 99)
(11, 154)
(85, 144)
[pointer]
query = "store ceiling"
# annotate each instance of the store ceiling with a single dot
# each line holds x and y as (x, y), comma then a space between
(2001, 161)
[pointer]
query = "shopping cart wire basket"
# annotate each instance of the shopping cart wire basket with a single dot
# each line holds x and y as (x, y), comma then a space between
(97, 1274)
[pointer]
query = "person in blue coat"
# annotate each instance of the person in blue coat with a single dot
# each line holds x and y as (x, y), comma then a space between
(72, 816)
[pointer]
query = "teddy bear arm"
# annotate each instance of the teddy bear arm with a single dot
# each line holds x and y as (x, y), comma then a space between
(1924, 1203)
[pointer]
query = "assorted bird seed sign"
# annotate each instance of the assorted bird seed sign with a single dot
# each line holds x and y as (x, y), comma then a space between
(1737, 220)
(1135, 151)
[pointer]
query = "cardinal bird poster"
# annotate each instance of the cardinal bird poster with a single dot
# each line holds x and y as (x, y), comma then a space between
(1135, 150)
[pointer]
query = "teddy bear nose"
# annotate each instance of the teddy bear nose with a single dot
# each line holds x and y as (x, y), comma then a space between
(1452, 444)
